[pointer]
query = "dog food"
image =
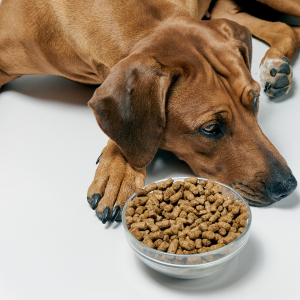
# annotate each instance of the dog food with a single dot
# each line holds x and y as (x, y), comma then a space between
(185, 217)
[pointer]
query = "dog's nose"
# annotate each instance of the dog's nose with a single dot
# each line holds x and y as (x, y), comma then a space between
(281, 189)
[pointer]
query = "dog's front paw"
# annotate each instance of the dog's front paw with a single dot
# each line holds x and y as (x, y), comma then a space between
(115, 180)
(276, 76)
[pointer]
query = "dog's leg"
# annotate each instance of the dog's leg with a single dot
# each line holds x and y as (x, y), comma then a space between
(275, 68)
(290, 7)
(115, 180)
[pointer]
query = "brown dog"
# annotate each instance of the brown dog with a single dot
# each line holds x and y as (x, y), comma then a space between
(169, 80)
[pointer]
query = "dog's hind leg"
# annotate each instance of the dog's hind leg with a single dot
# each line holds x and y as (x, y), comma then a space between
(275, 68)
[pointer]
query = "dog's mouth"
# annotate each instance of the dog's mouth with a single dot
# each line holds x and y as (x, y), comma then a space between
(255, 197)
(261, 195)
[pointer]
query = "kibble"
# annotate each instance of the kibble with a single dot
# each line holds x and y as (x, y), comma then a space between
(185, 217)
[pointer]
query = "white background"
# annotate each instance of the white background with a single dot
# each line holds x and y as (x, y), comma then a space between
(52, 245)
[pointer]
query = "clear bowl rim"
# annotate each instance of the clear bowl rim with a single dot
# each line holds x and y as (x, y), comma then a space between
(154, 251)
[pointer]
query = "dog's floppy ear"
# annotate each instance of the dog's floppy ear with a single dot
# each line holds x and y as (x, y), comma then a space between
(129, 106)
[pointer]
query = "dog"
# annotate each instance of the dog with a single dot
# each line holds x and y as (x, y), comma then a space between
(169, 80)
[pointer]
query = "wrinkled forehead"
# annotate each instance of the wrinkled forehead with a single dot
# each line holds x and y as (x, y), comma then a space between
(213, 89)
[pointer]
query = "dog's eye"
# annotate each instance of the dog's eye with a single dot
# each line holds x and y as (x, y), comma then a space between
(213, 131)
(255, 103)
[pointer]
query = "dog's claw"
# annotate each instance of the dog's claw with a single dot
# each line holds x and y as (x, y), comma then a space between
(115, 213)
(285, 59)
(106, 215)
(97, 162)
(95, 200)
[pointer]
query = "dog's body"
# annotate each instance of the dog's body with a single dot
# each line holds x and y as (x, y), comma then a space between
(168, 80)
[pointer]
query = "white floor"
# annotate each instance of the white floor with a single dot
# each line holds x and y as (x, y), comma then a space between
(52, 246)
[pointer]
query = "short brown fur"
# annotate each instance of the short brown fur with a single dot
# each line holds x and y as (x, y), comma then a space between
(165, 74)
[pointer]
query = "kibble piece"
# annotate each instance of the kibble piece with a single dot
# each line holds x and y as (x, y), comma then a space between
(192, 180)
(224, 211)
(173, 246)
(136, 233)
(163, 246)
(213, 227)
(222, 231)
(243, 223)
(166, 238)
(189, 195)
(183, 214)
(206, 242)
(215, 217)
(168, 193)
(215, 247)
(165, 184)
(158, 218)
(128, 221)
(175, 213)
(156, 235)
(198, 243)
(179, 251)
(168, 207)
(187, 244)
(129, 212)
(158, 194)
(230, 237)
(151, 187)
(150, 224)
(191, 217)
(163, 224)
(176, 185)
(140, 210)
(148, 242)
(207, 216)
(203, 226)
(218, 236)
(224, 225)
(226, 219)
(200, 189)
(210, 198)
(228, 202)
(243, 216)
(202, 212)
(157, 243)
(139, 225)
(202, 250)
(241, 229)
(152, 200)
(208, 235)
(217, 188)
(243, 209)
(151, 211)
(174, 198)
(207, 206)
(194, 233)
(140, 192)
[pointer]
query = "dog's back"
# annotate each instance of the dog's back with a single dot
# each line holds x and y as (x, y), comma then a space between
(80, 40)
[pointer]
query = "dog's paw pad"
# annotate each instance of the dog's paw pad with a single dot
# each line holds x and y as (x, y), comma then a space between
(276, 76)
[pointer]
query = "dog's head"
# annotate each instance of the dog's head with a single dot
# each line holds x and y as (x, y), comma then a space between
(187, 88)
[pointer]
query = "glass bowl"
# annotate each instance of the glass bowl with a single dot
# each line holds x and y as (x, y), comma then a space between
(191, 265)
